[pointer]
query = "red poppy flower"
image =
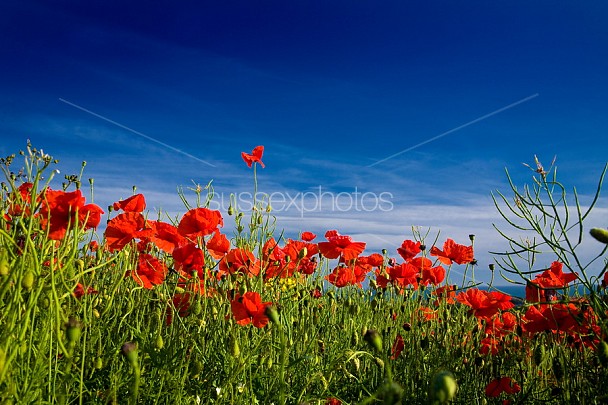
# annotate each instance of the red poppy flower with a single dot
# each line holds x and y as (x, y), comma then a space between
(188, 259)
(181, 304)
(61, 210)
(255, 157)
(409, 249)
(500, 385)
(150, 271)
(453, 253)
(484, 304)
(249, 308)
(80, 291)
(398, 347)
(135, 203)
(340, 245)
(218, 245)
(123, 228)
(446, 294)
(544, 286)
(308, 236)
(401, 276)
(342, 275)
(427, 273)
(239, 261)
(20, 201)
(200, 222)
(558, 317)
(164, 236)
(332, 401)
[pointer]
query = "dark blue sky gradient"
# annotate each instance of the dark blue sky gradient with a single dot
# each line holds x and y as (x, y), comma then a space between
(329, 87)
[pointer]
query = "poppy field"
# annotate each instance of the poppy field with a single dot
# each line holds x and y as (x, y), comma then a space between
(213, 307)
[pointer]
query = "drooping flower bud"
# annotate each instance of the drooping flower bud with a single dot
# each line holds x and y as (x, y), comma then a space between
(600, 234)
(442, 387)
(372, 337)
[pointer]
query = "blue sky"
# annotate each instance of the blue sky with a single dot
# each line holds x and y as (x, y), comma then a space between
(330, 88)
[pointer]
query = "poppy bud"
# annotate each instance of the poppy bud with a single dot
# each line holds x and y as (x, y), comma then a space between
(98, 363)
(129, 350)
(230, 210)
(268, 208)
(600, 234)
(27, 282)
(4, 267)
(539, 354)
(372, 337)
(558, 368)
(442, 387)
(272, 314)
(302, 253)
(159, 343)
(73, 330)
(235, 349)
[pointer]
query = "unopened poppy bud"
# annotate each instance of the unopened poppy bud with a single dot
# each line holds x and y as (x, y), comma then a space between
(4, 267)
(491, 266)
(129, 350)
(230, 210)
(269, 208)
(539, 354)
(422, 248)
(558, 368)
(272, 314)
(384, 252)
(372, 337)
(27, 282)
(98, 363)
(159, 343)
(302, 253)
(600, 234)
(442, 387)
(73, 330)
(407, 327)
(472, 238)
(424, 343)
(235, 349)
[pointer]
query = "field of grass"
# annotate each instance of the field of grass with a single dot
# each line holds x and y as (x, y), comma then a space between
(180, 311)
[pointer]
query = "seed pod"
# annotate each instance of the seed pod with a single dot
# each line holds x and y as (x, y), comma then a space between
(28, 280)
(602, 354)
(159, 343)
(379, 362)
(73, 330)
(4, 267)
(98, 363)
(558, 368)
(600, 234)
(235, 349)
(355, 338)
(539, 354)
(442, 387)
